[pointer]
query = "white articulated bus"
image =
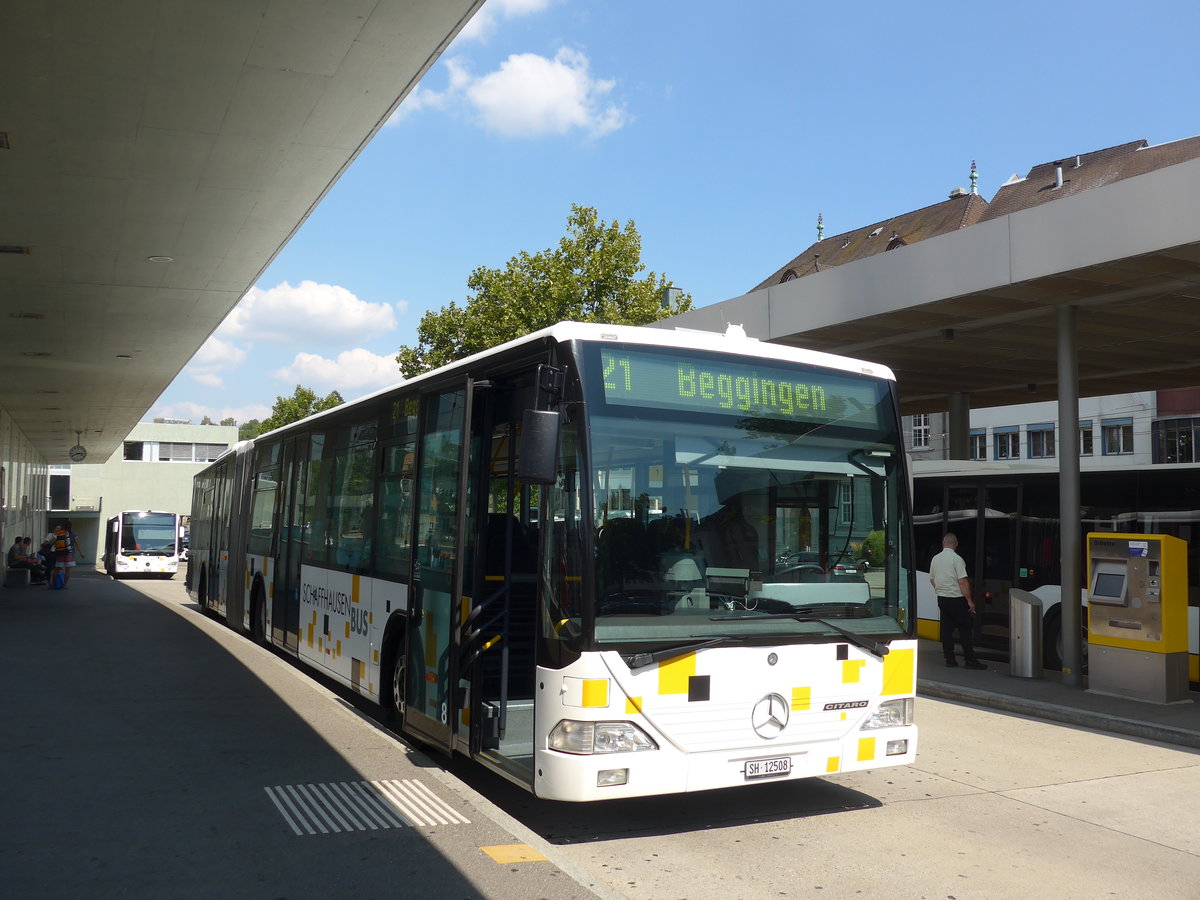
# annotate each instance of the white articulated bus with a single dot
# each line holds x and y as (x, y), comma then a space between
(603, 561)
(1006, 518)
(143, 542)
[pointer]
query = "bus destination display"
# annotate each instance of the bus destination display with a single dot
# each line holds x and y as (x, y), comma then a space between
(706, 384)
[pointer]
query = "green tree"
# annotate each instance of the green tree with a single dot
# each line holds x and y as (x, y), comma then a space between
(594, 275)
(229, 421)
(250, 429)
(302, 404)
(207, 421)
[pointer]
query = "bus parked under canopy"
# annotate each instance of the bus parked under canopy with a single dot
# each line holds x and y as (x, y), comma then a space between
(571, 559)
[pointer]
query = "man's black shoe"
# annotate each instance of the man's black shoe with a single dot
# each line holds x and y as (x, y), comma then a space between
(951, 664)
(976, 665)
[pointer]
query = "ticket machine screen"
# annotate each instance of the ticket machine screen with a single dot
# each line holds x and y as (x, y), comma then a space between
(1109, 587)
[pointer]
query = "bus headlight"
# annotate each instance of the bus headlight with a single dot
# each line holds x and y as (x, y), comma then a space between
(571, 736)
(891, 714)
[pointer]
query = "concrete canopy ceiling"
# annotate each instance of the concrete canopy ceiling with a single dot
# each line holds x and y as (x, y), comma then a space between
(154, 157)
(976, 310)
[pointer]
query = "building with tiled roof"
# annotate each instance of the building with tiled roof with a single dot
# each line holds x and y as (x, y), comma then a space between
(1143, 427)
(1045, 183)
(962, 209)
(1065, 177)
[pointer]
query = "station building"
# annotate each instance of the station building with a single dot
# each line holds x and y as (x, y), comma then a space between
(152, 469)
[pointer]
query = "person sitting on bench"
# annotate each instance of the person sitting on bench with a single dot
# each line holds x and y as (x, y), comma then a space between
(19, 559)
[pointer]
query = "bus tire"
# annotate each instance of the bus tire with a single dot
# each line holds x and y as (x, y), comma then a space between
(201, 596)
(396, 672)
(1052, 645)
(258, 615)
(1052, 639)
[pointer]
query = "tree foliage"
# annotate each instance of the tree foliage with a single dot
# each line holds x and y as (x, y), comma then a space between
(230, 420)
(302, 404)
(594, 275)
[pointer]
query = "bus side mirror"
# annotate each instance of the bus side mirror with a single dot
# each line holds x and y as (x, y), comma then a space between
(539, 446)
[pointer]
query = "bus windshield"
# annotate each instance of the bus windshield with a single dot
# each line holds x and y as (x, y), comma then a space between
(149, 534)
(723, 508)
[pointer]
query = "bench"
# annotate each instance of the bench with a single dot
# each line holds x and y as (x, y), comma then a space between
(16, 577)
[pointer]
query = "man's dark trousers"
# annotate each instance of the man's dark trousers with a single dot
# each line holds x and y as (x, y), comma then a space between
(956, 615)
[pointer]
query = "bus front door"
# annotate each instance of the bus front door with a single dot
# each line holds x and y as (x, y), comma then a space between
(985, 520)
(443, 498)
(285, 598)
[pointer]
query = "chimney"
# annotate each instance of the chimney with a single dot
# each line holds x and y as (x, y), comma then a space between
(1058, 179)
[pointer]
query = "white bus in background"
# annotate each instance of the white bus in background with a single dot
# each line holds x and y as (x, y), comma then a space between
(602, 561)
(1006, 517)
(143, 542)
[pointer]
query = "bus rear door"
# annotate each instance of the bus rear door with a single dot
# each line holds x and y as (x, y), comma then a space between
(442, 549)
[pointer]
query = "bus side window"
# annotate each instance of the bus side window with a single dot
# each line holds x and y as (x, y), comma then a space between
(393, 548)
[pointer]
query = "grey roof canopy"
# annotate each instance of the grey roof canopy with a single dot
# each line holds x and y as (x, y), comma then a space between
(154, 157)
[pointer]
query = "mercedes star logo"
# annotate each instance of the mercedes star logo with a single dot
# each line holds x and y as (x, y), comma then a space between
(770, 716)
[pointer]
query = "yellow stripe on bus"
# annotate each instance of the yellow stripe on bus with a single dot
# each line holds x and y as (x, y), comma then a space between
(900, 672)
(852, 670)
(673, 675)
(866, 749)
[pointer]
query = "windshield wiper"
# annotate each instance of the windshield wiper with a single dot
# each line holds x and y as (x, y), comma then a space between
(880, 650)
(641, 660)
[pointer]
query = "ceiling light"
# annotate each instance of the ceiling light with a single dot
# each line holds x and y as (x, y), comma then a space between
(160, 259)
(124, 356)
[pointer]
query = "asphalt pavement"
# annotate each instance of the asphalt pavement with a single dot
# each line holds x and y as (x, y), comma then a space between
(1048, 698)
(149, 751)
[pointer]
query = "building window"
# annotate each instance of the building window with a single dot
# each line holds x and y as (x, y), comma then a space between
(134, 450)
(209, 452)
(1041, 441)
(174, 452)
(1175, 440)
(978, 443)
(1085, 438)
(1007, 442)
(920, 432)
(1116, 437)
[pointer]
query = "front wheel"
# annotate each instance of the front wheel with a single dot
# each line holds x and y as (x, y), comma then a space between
(258, 618)
(396, 685)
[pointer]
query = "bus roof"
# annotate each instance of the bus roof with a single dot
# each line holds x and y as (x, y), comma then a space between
(734, 340)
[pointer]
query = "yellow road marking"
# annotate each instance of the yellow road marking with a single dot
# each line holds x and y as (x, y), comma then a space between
(513, 853)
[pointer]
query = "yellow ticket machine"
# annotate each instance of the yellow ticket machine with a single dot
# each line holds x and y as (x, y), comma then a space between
(1137, 616)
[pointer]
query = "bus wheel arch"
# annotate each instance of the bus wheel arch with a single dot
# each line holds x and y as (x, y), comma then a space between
(1052, 639)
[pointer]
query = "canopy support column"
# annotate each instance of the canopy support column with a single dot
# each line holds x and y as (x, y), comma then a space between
(1068, 493)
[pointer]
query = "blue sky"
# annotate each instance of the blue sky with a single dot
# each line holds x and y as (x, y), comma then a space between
(721, 130)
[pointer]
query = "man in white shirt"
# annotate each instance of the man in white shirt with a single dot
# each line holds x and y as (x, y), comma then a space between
(948, 575)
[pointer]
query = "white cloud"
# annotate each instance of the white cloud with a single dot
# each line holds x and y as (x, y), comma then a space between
(352, 374)
(208, 379)
(528, 96)
(287, 314)
(195, 412)
(214, 357)
(483, 23)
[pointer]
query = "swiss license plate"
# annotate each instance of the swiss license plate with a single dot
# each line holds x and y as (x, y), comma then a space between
(769, 768)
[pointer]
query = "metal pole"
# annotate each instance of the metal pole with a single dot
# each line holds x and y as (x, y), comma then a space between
(960, 426)
(1068, 493)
